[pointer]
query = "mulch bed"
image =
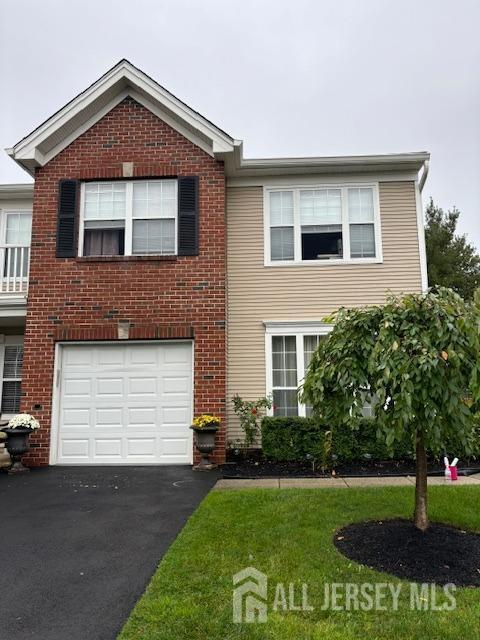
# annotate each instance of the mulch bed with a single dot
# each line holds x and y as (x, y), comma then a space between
(443, 554)
(257, 467)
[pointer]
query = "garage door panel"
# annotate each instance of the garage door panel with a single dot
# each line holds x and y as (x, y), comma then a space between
(180, 355)
(142, 386)
(143, 417)
(109, 387)
(110, 356)
(77, 417)
(110, 417)
(78, 387)
(175, 415)
(145, 447)
(125, 403)
(111, 447)
(78, 449)
(175, 385)
(75, 358)
(175, 446)
(143, 355)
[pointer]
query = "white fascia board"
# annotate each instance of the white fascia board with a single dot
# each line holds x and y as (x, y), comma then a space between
(285, 327)
(16, 191)
(132, 79)
(239, 167)
(316, 179)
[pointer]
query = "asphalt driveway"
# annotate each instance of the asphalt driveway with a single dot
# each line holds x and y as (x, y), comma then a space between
(78, 545)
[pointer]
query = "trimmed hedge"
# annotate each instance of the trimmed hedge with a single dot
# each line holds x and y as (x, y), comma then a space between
(296, 438)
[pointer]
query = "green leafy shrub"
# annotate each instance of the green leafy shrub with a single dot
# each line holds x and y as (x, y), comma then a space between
(291, 438)
(296, 438)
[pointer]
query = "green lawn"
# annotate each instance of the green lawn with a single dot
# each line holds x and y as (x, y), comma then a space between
(287, 534)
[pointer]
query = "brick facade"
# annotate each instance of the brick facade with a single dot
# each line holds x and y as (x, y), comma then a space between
(161, 298)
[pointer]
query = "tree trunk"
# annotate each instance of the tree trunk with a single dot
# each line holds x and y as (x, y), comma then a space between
(421, 516)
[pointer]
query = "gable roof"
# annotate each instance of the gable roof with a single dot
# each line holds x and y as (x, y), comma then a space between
(88, 107)
(124, 79)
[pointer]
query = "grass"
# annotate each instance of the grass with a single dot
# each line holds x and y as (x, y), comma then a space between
(287, 534)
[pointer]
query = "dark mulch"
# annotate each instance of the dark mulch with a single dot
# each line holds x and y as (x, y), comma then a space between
(442, 554)
(255, 466)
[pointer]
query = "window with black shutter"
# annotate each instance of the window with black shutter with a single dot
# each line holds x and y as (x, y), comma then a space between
(138, 217)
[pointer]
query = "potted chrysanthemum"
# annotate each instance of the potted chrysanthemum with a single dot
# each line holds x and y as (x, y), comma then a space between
(18, 431)
(205, 427)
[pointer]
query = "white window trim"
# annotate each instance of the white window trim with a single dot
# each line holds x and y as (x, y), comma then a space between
(4, 342)
(297, 330)
(128, 217)
(297, 261)
(3, 225)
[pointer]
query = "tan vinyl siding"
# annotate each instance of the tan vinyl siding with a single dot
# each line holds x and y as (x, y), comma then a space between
(257, 293)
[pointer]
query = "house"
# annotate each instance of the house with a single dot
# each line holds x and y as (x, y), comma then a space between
(152, 272)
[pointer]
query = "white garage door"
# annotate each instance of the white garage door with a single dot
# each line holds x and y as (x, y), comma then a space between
(124, 404)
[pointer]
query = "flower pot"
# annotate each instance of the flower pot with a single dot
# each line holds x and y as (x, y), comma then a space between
(205, 442)
(17, 446)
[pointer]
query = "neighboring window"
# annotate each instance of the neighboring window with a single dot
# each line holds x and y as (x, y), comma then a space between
(18, 231)
(130, 218)
(322, 224)
(12, 378)
(284, 376)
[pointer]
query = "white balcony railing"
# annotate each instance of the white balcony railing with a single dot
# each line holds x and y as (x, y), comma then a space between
(14, 267)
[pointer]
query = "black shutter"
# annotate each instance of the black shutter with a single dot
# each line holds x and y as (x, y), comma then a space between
(67, 218)
(188, 216)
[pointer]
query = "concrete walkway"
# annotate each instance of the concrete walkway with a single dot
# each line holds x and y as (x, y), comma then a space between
(339, 483)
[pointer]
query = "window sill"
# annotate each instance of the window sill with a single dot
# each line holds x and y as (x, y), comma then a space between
(323, 263)
(126, 258)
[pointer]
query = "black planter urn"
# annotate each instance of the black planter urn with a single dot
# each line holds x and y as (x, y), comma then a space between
(205, 442)
(17, 446)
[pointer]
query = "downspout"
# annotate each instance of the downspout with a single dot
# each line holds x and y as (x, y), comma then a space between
(426, 167)
(421, 227)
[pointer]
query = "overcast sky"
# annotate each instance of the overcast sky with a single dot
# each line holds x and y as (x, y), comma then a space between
(307, 77)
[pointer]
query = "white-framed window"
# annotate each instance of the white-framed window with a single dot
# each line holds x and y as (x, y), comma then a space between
(322, 224)
(134, 217)
(11, 362)
(289, 348)
(15, 233)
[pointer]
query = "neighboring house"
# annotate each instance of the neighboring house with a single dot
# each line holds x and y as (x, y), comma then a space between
(167, 272)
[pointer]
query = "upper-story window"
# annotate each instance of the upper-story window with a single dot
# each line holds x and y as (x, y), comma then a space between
(129, 218)
(322, 224)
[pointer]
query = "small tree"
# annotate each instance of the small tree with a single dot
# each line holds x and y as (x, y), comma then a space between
(418, 357)
(452, 261)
